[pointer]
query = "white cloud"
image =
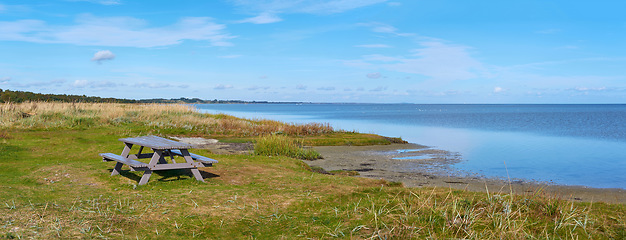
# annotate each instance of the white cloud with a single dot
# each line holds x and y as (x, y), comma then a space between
(81, 83)
(378, 89)
(90, 30)
(262, 18)
(498, 89)
(373, 46)
(394, 4)
(102, 2)
(158, 85)
(103, 56)
(375, 75)
(4, 80)
(384, 28)
(435, 59)
(590, 89)
(222, 87)
(254, 88)
(305, 6)
(380, 27)
(326, 88)
(54, 83)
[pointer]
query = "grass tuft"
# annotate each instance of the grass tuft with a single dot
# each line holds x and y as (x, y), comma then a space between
(279, 145)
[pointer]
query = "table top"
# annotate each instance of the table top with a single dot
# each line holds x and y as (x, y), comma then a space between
(155, 142)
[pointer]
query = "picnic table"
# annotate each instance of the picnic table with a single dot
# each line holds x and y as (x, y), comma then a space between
(162, 148)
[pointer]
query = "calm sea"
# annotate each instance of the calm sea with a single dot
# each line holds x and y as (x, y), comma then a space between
(564, 144)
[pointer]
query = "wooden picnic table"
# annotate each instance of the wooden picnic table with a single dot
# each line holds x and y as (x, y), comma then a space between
(161, 148)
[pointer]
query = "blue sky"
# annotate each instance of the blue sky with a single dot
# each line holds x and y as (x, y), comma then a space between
(531, 51)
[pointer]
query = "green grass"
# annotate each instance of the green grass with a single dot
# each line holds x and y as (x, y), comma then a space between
(278, 145)
(53, 185)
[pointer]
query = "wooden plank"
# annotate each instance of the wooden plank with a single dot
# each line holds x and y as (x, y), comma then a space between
(195, 157)
(155, 142)
(171, 166)
(145, 177)
(120, 159)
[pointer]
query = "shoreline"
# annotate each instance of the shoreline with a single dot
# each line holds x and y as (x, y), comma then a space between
(376, 162)
(428, 168)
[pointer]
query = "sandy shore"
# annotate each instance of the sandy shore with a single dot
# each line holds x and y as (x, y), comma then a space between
(418, 166)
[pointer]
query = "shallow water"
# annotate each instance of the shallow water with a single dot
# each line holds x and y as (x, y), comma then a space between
(564, 144)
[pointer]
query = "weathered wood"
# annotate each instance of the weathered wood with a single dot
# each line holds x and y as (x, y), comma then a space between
(126, 151)
(155, 142)
(117, 169)
(171, 166)
(145, 177)
(162, 148)
(123, 160)
(195, 156)
(140, 156)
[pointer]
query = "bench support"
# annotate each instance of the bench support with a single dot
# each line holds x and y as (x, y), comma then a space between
(145, 177)
(117, 169)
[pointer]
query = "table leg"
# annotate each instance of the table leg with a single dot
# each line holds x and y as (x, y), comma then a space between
(194, 171)
(126, 150)
(157, 158)
(117, 169)
(145, 177)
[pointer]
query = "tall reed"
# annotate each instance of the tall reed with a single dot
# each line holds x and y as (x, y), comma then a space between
(50, 115)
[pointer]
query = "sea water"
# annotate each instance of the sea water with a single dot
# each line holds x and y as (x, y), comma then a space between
(564, 144)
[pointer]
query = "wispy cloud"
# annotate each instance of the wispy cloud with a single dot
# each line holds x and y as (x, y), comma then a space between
(378, 89)
(435, 59)
(222, 87)
(591, 89)
(326, 88)
(254, 88)
(498, 90)
(81, 83)
(301, 87)
(304, 6)
(4, 80)
(159, 85)
(104, 55)
(103, 2)
(262, 18)
(90, 30)
(384, 28)
(54, 82)
(375, 75)
(373, 46)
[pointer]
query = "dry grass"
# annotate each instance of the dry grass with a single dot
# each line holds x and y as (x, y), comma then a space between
(52, 115)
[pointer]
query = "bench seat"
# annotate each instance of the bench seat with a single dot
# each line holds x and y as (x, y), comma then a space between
(196, 157)
(120, 159)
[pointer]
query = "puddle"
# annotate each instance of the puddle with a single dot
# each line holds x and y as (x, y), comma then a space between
(410, 150)
(420, 157)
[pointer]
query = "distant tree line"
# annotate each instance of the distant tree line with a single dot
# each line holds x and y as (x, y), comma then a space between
(21, 96)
